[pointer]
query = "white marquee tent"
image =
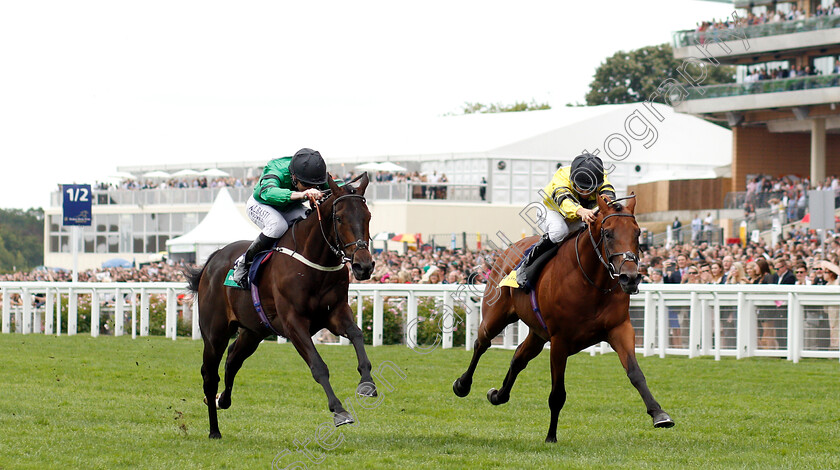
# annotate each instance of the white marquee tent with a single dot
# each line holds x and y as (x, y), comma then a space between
(222, 225)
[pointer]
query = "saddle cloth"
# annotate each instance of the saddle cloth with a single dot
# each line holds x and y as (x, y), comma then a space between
(510, 279)
(253, 271)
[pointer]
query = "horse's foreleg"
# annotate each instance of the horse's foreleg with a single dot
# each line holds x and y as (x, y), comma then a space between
(557, 398)
(496, 318)
(527, 350)
(342, 324)
(623, 341)
(298, 329)
(245, 345)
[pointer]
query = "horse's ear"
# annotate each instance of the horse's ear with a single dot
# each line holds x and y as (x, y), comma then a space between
(362, 184)
(631, 203)
(603, 206)
(333, 186)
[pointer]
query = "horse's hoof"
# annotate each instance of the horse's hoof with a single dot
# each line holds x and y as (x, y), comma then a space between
(215, 435)
(366, 389)
(342, 418)
(551, 439)
(493, 397)
(223, 401)
(459, 388)
(662, 420)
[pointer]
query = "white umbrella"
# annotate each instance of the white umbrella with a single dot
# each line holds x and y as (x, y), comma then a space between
(214, 172)
(156, 174)
(185, 172)
(388, 166)
(372, 166)
(123, 175)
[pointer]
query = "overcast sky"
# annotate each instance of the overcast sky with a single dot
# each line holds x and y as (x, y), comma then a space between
(89, 86)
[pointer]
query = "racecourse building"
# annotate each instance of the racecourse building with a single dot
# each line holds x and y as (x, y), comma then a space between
(783, 110)
(449, 178)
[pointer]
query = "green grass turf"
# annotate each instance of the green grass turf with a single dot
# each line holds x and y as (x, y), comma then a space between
(79, 402)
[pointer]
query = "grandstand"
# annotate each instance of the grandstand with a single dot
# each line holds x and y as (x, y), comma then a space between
(783, 109)
(515, 155)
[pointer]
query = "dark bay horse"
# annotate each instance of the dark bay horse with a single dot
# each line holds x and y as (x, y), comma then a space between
(580, 305)
(298, 300)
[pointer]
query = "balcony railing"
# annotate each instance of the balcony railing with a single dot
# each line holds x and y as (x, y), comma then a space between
(764, 86)
(169, 196)
(691, 37)
(404, 191)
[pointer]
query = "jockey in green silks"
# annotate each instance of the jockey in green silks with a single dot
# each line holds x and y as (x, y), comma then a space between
(278, 199)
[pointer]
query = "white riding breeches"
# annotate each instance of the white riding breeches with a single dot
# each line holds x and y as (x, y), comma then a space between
(557, 226)
(272, 222)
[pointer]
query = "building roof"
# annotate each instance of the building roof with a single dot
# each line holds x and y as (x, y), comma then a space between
(555, 134)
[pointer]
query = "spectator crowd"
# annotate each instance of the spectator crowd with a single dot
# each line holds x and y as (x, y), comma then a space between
(794, 13)
(786, 196)
(182, 183)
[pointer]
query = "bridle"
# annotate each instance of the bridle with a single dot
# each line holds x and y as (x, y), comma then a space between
(338, 249)
(606, 260)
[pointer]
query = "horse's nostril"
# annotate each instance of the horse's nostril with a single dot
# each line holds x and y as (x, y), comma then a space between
(357, 266)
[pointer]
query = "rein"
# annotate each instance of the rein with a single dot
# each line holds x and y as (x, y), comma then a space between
(607, 263)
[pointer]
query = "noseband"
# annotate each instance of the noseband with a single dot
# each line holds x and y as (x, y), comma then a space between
(607, 261)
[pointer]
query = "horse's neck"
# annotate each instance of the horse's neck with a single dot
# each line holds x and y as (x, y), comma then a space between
(309, 239)
(589, 261)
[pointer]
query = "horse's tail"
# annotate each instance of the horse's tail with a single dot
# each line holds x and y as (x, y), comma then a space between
(194, 274)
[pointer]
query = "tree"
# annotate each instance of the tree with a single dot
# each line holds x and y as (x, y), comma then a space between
(21, 239)
(631, 77)
(473, 108)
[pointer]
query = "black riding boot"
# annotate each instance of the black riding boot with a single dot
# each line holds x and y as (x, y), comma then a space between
(528, 273)
(243, 264)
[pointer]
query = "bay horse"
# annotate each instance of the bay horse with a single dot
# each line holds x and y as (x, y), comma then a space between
(579, 304)
(298, 299)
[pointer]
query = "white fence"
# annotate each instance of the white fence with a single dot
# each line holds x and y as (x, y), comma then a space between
(700, 320)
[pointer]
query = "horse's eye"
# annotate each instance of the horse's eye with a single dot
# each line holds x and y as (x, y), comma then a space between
(608, 233)
(337, 219)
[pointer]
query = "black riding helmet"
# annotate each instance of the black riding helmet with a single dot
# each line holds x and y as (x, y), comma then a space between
(309, 167)
(587, 172)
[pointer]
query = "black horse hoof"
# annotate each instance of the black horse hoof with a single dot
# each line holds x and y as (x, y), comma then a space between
(551, 439)
(223, 401)
(366, 389)
(215, 435)
(460, 389)
(342, 418)
(494, 398)
(662, 420)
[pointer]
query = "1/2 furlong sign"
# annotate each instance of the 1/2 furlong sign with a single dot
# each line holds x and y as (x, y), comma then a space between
(77, 204)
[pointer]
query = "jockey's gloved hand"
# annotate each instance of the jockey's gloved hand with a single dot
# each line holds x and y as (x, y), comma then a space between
(314, 192)
(586, 215)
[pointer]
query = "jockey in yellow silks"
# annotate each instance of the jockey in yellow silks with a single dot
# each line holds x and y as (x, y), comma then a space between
(570, 200)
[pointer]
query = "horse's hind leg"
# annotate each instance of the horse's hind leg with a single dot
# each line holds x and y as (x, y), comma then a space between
(245, 345)
(622, 339)
(527, 350)
(342, 324)
(298, 329)
(496, 317)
